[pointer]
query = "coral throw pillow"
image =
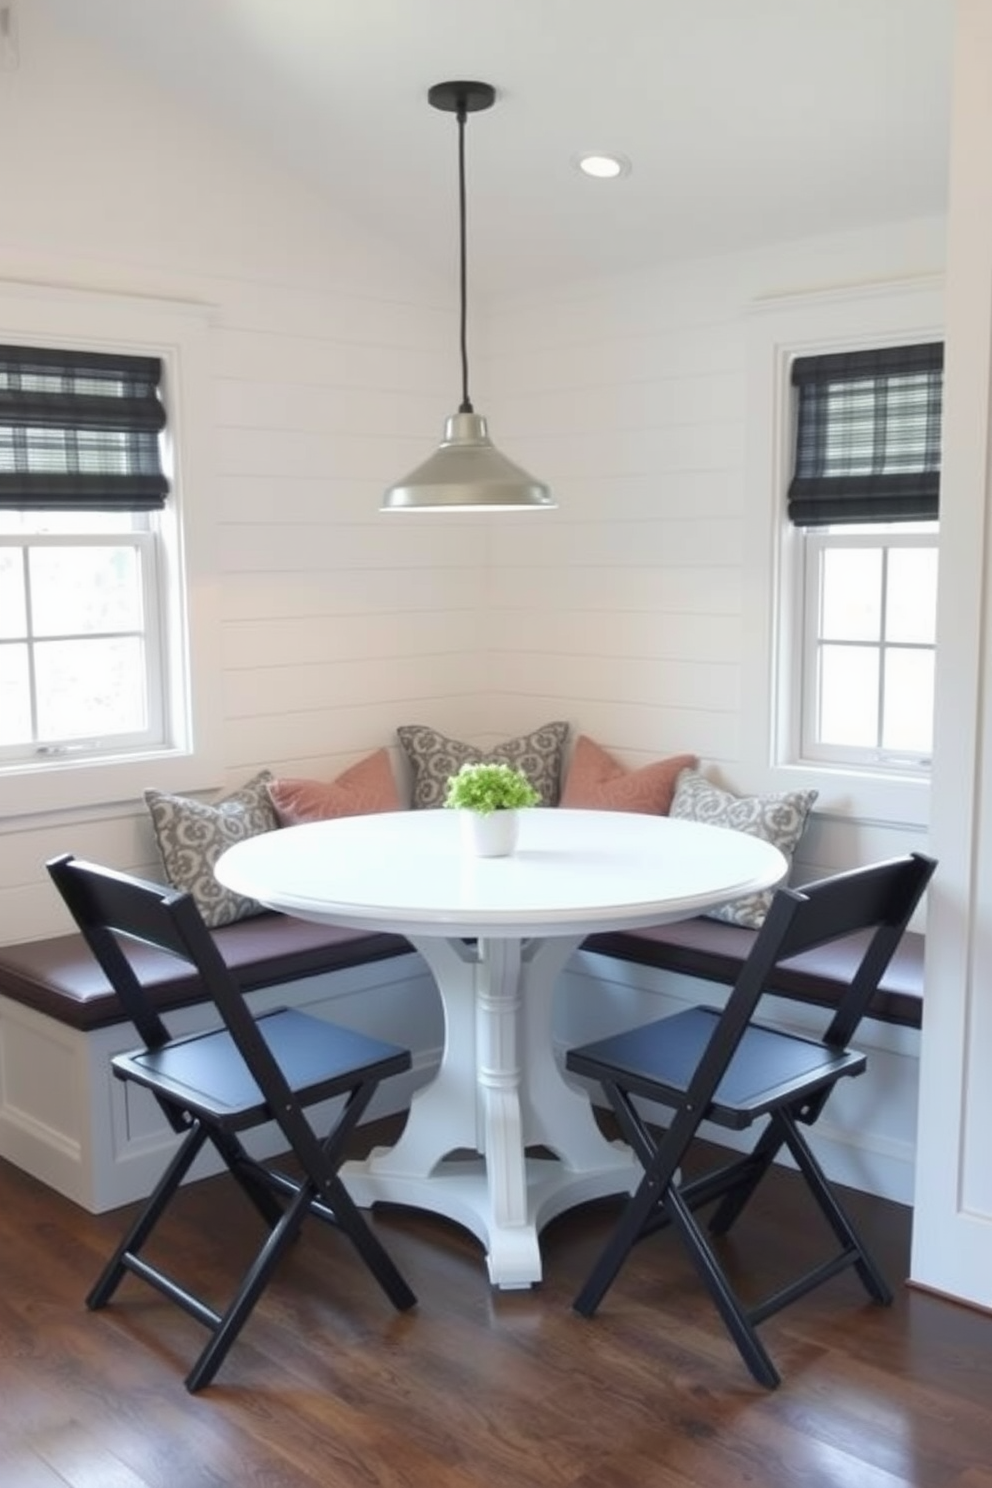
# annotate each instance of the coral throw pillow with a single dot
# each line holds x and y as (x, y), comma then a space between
(361, 790)
(597, 781)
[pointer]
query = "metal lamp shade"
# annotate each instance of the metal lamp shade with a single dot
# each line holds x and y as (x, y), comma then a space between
(467, 473)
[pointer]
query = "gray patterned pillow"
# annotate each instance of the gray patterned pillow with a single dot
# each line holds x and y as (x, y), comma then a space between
(433, 757)
(779, 819)
(191, 836)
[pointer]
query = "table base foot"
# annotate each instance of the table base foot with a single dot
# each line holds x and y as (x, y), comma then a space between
(458, 1189)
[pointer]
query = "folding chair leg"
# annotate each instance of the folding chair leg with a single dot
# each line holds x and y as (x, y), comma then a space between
(116, 1268)
(628, 1231)
(255, 1280)
(330, 1198)
(871, 1277)
(740, 1328)
(375, 1256)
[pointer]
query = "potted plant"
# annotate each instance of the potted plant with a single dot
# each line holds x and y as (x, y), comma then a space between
(489, 797)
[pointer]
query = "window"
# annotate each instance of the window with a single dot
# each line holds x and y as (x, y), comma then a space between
(863, 499)
(82, 480)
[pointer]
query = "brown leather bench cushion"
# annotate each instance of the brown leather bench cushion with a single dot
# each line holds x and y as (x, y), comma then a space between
(60, 978)
(714, 950)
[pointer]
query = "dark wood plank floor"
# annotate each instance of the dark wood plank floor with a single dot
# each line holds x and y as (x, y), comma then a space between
(328, 1386)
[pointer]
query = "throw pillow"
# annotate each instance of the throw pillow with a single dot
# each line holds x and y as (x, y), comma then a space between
(597, 781)
(780, 819)
(364, 788)
(191, 835)
(433, 757)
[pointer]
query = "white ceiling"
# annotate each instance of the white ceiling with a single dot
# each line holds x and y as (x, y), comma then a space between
(747, 121)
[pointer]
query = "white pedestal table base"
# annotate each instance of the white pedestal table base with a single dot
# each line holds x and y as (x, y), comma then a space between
(498, 1093)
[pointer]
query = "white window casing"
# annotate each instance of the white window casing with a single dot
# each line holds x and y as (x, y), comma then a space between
(780, 329)
(185, 631)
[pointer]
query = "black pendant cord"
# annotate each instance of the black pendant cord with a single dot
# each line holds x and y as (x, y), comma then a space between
(466, 403)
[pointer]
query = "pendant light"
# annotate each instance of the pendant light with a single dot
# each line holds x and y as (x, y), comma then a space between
(466, 472)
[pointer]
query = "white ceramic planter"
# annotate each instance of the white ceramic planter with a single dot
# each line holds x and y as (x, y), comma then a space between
(490, 835)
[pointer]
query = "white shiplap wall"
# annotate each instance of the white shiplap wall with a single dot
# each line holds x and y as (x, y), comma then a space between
(622, 611)
(627, 611)
(330, 363)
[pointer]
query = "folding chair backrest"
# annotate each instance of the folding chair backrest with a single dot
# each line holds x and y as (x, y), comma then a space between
(106, 904)
(879, 899)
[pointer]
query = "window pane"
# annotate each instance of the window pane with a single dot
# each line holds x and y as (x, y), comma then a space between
(12, 613)
(848, 696)
(908, 713)
(15, 710)
(90, 688)
(85, 590)
(911, 598)
(851, 598)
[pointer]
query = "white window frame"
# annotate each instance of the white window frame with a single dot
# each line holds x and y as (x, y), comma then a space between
(805, 746)
(161, 726)
(191, 757)
(781, 328)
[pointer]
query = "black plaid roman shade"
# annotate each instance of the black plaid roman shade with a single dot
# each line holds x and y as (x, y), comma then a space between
(80, 430)
(868, 436)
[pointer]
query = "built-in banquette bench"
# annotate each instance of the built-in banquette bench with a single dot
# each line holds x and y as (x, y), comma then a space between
(715, 951)
(67, 1121)
(61, 1115)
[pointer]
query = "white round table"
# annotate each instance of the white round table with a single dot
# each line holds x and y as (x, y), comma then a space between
(496, 932)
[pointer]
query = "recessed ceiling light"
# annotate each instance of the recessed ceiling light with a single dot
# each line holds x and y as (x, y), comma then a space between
(603, 167)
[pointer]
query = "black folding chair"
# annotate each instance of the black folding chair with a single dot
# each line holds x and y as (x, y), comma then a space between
(212, 1087)
(723, 1067)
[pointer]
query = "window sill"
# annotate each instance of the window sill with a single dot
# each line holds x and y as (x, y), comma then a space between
(858, 795)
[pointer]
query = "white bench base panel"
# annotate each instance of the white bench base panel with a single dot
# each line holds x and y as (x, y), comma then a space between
(102, 1142)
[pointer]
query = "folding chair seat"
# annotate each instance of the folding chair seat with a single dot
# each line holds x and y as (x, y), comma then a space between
(215, 1087)
(724, 1067)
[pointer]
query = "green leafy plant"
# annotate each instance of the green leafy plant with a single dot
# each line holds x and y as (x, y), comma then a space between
(485, 788)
